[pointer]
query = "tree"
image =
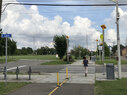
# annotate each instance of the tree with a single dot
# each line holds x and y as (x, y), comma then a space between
(24, 51)
(106, 49)
(12, 47)
(18, 51)
(52, 51)
(76, 51)
(2, 46)
(45, 50)
(84, 52)
(60, 45)
(29, 50)
(114, 48)
(79, 51)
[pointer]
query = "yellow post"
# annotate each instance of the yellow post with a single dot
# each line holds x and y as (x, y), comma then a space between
(58, 79)
(66, 73)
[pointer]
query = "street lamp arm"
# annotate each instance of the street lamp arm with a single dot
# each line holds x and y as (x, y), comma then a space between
(5, 6)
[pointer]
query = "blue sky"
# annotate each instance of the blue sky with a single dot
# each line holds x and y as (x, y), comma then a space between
(39, 24)
(96, 14)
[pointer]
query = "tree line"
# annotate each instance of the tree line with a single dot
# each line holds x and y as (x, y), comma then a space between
(60, 48)
(13, 50)
(40, 51)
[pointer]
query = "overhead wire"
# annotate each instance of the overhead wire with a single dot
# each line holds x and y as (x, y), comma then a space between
(124, 4)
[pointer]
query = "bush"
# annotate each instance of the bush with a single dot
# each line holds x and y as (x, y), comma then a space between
(70, 59)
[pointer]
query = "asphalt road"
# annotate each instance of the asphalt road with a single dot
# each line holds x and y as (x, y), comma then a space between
(35, 65)
(37, 68)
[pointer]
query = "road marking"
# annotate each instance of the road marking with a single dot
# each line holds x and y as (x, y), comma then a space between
(53, 91)
(16, 67)
(63, 82)
(57, 87)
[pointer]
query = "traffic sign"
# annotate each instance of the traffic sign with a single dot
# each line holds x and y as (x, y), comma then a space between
(6, 35)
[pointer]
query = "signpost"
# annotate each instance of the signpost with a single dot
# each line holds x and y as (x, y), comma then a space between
(6, 36)
(103, 52)
(67, 39)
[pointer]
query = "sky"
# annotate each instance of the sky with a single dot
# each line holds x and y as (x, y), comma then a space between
(35, 26)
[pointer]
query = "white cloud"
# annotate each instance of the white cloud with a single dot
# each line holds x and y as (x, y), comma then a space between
(35, 30)
(110, 22)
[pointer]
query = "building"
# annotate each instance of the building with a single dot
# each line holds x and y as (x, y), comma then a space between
(124, 52)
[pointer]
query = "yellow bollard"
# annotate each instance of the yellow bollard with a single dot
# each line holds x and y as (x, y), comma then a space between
(58, 79)
(66, 73)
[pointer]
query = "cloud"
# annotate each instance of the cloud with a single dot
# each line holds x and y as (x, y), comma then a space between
(110, 22)
(34, 30)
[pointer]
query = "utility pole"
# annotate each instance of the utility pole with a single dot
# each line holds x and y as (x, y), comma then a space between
(118, 40)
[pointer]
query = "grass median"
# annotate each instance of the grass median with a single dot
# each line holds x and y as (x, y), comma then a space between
(58, 62)
(39, 57)
(10, 87)
(111, 61)
(116, 87)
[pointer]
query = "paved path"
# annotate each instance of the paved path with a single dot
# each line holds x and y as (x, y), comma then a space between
(35, 89)
(75, 89)
(77, 75)
(77, 84)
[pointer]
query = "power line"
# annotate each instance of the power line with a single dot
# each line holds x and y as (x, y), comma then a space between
(65, 4)
(108, 1)
(101, 5)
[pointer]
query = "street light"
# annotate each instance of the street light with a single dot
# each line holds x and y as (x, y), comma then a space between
(118, 39)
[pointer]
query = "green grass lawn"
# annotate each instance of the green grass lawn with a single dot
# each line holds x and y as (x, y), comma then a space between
(4, 90)
(59, 62)
(117, 87)
(40, 57)
(55, 61)
(110, 61)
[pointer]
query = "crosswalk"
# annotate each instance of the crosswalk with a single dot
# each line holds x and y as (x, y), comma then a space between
(77, 75)
(78, 67)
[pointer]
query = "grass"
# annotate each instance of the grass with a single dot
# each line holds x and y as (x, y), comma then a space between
(40, 57)
(59, 62)
(114, 61)
(56, 61)
(117, 87)
(11, 86)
